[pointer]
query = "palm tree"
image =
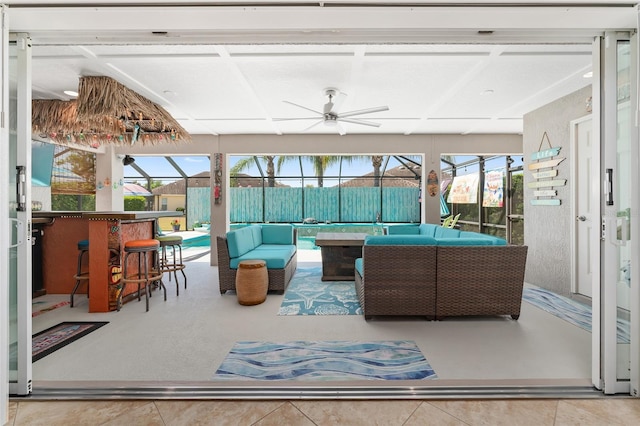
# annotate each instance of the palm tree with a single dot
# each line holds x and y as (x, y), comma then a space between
(320, 163)
(245, 163)
(376, 162)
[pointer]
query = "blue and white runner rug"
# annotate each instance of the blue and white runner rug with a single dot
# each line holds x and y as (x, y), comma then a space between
(325, 360)
(307, 294)
(569, 310)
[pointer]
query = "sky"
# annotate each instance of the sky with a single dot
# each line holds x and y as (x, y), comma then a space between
(160, 169)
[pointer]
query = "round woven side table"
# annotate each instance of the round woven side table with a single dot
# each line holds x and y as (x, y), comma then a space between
(252, 282)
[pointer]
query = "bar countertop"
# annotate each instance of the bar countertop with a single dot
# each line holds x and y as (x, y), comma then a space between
(133, 215)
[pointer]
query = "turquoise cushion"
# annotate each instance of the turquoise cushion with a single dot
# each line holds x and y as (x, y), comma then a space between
(446, 233)
(495, 240)
(403, 229)
(83, 245)
(428, 229)
(464, 242)
(276, 257)
(359, 268)
(240, 241)
(277, 234)
(399, 240)
(256, 233)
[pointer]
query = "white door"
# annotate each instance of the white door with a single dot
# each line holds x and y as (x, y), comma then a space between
(582, 139)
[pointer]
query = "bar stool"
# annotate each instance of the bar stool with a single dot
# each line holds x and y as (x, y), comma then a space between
(80, 276)
(176, 264)
(141, 248)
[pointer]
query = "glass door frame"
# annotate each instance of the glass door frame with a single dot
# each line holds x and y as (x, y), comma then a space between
(610, 351)
(4, 217)
(20, 117)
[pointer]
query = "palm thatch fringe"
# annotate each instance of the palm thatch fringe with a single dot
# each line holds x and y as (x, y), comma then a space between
(105, 112)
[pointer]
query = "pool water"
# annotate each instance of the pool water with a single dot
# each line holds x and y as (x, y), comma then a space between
(203, 240)
(306, 233)
(304, 243)
(307, 243)
(312, 229)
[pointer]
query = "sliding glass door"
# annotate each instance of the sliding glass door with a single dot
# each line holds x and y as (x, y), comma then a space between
(619, 207)
(19, 210)
(4, 222)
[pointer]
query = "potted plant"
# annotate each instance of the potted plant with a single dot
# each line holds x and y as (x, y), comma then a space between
(175, 224)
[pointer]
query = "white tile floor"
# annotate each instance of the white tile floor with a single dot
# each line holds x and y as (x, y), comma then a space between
(187, 337)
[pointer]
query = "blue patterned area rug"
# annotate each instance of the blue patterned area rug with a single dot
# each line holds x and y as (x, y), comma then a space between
(307, 294)
(569, 310)
(323, 361)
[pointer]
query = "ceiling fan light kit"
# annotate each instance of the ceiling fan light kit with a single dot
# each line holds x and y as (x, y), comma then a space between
(330, 115)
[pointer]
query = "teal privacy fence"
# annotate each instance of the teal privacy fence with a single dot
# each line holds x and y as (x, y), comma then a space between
(198, 206)
(335, 204)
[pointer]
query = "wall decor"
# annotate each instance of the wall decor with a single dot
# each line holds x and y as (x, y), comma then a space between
(545, 180)
(493, 189)
(217, 178)
(464, 189)
(432, 183)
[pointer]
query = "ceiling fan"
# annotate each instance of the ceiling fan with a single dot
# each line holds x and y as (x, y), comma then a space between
(330, 115)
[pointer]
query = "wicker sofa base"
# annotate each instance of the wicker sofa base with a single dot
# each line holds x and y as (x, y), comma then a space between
(400, 280)
(480, 281)
(278, 278)
(440, 282)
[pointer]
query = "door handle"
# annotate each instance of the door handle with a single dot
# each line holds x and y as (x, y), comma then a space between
(581, 218)
(19, 232)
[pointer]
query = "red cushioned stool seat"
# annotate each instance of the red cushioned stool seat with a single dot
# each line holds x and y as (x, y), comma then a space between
(144, 274)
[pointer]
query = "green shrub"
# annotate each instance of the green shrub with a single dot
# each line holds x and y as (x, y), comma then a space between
(69, 202)
(135, 203)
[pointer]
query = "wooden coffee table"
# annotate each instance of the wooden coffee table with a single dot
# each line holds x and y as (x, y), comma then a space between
(339, 253)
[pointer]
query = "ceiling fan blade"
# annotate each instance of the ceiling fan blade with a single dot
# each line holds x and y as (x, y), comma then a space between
(337, 102)
(303, 107)
(364, 111)
(359, 121)
(341, 129)
(297, 118)
(312, 126)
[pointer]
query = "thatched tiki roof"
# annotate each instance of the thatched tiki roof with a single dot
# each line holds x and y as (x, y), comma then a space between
(105, 112)
(58, 120)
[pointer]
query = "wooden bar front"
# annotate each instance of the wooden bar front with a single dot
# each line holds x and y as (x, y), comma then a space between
(106, 243)
(107, 232)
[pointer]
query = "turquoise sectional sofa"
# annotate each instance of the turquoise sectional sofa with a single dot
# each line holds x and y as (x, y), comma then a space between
(273, 243)
(438, 272)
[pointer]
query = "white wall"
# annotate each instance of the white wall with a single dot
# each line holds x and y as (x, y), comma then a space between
(547, 228)
(109, 173)
(430, 147)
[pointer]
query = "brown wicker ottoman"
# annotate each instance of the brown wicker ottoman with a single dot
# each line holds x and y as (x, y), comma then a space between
(252, 282)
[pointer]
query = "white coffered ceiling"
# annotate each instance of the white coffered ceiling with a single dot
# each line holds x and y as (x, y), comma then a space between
(229, 70)
(241, 89)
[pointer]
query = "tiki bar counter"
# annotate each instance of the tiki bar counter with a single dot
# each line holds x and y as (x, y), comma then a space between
(106, 233)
